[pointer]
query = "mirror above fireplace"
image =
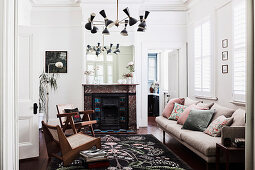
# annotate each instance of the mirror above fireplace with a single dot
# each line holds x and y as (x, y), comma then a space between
(109, 68)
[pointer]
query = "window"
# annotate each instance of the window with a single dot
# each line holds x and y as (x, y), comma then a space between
(102, 67)
(152, 67)
(202, 59)
(239, 50)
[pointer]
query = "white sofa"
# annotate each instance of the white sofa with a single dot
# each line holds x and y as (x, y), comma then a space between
(200, 143)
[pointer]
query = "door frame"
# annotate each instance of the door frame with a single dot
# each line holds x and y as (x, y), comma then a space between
(8, 119)
(146, 47)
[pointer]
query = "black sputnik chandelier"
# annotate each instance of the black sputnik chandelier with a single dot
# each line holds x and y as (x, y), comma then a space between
(107, 23)
(101, 49)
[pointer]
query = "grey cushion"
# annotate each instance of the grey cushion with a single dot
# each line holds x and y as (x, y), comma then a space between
(198, 120)
(188, 101)
(202, 142)
(205, 105)
(163, 122)
(238, 118)
(220, 110)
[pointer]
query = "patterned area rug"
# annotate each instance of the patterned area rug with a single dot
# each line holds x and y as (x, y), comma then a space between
(131, 152)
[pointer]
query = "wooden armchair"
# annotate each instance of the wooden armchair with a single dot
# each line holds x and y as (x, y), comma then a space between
(66, 119)
(69, 147)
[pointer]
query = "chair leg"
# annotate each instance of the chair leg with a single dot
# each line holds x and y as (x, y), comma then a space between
(92, 130)
(164, 137)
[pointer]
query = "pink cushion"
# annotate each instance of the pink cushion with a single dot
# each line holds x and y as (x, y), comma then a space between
(170, 106)
(183, 117)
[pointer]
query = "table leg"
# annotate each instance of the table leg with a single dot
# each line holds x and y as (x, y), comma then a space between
(217, 157)
(227, 160)
(164, 137)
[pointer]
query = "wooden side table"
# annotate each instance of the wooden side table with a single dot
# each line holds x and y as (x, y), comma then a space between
(226, 151)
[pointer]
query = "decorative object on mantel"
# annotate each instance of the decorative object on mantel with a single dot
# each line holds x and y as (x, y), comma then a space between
(47, 79)
(154, 87)
(100, 49)
(52, 57)
(107, 23)
(131, 69)
(224, 55)
(225, 43)
(224, 69)
(89, 77)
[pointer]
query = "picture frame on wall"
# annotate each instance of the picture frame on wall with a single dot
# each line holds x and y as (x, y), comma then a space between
(52, 57)
(225, 43)
(224, 55)
(224, 69)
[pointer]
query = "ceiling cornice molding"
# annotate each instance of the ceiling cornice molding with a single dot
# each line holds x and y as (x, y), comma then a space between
(112, 1)
(55, 3)
(164, 7)
(190, 3)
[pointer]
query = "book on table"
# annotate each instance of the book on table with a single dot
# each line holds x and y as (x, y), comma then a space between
(95, 158)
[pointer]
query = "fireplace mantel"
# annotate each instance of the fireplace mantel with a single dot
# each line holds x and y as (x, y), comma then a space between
(129, 90)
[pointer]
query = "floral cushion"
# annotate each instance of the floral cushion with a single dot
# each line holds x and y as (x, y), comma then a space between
(170, 106)
(214, 129)
(177, 111)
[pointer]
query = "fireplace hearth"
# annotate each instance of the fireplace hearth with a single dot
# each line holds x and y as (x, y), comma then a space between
(114, 105)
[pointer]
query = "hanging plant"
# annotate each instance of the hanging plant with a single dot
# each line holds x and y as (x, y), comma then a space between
(46, 80)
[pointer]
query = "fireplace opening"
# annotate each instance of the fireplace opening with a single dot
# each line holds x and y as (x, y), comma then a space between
(110, 117)
(111, 111)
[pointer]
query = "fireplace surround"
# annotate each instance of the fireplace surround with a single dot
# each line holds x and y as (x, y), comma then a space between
(114, 105)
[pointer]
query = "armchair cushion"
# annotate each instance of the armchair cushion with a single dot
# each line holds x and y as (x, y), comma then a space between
(79, 139)
(77, 117)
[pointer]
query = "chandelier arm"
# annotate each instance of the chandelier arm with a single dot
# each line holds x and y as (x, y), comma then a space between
(123, 20)
(98, 24)
(117, 10)
(99, 21)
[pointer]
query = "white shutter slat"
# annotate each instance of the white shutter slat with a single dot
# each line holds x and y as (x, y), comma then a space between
(239, 50)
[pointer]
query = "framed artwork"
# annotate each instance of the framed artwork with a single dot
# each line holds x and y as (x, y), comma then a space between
(225, 43)
(225, 55)
(52, 57)
(224, 69)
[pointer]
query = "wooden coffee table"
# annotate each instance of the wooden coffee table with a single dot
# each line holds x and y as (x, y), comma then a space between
(227, 151)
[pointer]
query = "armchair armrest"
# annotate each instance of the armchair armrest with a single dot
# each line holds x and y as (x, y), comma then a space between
(87, 112)
(88, 122)
(232, 133)
(67, 114)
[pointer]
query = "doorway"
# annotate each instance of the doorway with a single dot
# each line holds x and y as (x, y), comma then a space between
(163, 79)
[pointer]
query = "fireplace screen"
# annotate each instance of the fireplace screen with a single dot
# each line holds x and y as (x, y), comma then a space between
(111, 111)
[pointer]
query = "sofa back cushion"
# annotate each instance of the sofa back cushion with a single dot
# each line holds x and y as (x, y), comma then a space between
(170, 105)
(214, 129)
(205, 105)
(220, 110)
(188, 101)
(198, 120)
(177, 111)
(238, 118)
(183, 117)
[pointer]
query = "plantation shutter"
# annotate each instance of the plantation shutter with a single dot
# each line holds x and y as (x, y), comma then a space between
(202, 59)
(239, 50)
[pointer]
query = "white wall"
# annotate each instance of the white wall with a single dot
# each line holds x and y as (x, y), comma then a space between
(220, 12)
(60, 29)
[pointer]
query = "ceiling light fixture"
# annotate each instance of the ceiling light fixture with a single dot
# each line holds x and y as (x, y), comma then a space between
(100, 49)
(109, 23)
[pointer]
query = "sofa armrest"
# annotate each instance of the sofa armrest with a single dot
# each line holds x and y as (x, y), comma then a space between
(232, 133)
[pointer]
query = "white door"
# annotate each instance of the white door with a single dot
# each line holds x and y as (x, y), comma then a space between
(27, 90)
(173, 74)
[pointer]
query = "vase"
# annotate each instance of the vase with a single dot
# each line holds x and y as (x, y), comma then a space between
(129, 80)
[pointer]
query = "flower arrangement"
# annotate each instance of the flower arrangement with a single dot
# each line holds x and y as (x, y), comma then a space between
(128, 75)
(131, 67)
(88, 73)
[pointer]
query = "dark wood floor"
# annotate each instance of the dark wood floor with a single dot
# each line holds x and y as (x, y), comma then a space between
(184, 153)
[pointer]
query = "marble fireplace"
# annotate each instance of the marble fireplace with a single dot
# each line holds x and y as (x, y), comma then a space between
(114, 105)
